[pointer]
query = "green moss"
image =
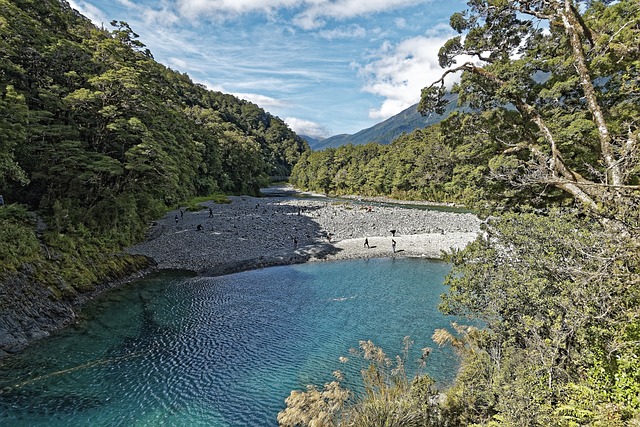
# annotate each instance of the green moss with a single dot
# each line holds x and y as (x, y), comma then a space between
(195, 204)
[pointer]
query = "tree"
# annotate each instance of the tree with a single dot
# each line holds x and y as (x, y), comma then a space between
(555, 96)
(13, 120)
(572, 81)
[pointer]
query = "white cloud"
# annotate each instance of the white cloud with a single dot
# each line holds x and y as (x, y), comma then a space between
(309, 14)
(127, 3)
(345, 9)
(96, 15)
(197, 8)
(400, 23)
(261, 100)
(399, 72)
(163, 17)
(177, 63)
(306, 127)
(351, 32)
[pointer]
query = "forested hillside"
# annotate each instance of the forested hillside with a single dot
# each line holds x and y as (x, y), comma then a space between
(551, 155)
(97, 139)
(415, 166)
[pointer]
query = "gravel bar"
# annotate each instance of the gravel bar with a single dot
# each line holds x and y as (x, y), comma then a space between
(255, 232)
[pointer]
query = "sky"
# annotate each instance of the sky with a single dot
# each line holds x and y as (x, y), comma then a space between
(325, 67)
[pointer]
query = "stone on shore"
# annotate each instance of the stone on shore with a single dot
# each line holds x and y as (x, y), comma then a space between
(258, 232)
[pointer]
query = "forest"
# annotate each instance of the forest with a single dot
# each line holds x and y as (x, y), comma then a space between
(547, 152)
(97, 140)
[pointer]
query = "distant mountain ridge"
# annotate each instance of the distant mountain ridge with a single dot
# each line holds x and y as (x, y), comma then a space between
(312, 140)
(385, 132)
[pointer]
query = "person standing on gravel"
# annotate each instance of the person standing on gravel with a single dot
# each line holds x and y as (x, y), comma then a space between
(393, 245)
(366, 243)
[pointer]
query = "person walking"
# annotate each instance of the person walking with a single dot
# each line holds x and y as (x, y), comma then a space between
(393, 245)
(366, 243)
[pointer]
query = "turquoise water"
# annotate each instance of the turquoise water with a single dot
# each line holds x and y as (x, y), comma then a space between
(173, 350)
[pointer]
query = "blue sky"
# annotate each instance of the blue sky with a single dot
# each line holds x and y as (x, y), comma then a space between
(326, 67)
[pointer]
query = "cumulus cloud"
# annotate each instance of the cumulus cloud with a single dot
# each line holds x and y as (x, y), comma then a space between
(307, 127)
(315, 12)
(399, 72)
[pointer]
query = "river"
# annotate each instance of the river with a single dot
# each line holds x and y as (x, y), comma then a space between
(178, 350)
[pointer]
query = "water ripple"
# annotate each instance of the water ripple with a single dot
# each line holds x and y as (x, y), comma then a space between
(222, 351)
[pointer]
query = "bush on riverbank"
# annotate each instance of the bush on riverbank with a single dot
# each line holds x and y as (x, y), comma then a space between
(389, 398)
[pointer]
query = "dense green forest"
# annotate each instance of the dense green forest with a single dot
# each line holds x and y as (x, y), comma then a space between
(98, 139)
(549, 154)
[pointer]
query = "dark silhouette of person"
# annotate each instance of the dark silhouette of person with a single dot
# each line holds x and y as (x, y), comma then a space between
(176, 219)
(210, 213)
(181, 213)
(199, 227)
(295, 243)
(393, 245)
(366, 243)
(393, 232)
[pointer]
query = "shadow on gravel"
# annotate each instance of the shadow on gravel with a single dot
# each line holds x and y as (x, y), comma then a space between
(299, 256)
(247, 234)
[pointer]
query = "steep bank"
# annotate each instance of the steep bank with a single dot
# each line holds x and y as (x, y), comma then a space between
(31, 310)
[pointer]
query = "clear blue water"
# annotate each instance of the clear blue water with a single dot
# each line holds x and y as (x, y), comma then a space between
(173, 350)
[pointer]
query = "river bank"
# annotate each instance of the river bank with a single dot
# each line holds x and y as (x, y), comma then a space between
(255, 232)
(248, 233)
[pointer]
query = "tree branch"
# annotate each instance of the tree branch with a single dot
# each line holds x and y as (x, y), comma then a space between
(570, 24)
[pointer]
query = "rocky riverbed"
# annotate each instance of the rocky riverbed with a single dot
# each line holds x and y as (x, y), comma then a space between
(257, 232)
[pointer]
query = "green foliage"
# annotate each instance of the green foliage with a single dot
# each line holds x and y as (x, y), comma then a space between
(390, 397)
(567, 107)
(18, 243)
(417, 165)
(100, 139)
(218, 198)
(13, 121)
(556, 290)
(556, 293)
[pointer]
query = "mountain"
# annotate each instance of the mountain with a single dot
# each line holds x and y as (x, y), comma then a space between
(388, 130)
(312, 140)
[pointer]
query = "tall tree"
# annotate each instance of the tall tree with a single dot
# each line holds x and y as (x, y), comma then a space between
(570, 78)
(13, 120)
